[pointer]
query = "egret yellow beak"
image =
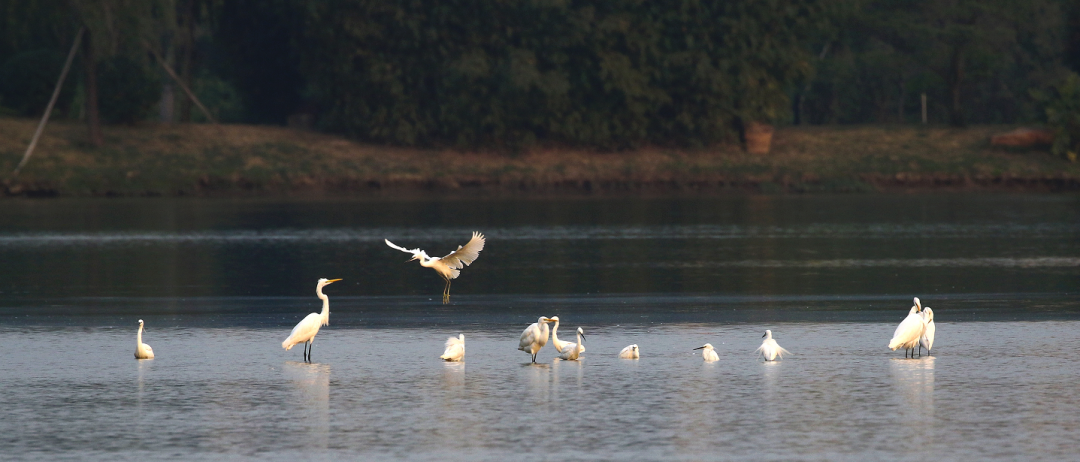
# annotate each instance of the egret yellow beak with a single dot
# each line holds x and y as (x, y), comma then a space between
(332, 280)
(415, 257)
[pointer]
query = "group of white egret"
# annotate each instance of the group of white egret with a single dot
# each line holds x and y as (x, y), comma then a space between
(916, 330)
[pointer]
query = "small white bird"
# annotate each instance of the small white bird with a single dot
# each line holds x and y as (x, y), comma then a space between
(909, 331)
(534, 337)
(559, 345)
(708, 353)
(455, 348)
(927, 340)
(142, 350)
(305, 330)
(630, 352)
(573, 350)
(769, 349)
(449, 266)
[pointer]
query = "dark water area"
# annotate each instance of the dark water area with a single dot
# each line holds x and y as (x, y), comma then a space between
(221, 282)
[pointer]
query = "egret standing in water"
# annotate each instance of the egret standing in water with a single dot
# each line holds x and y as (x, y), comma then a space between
(927, 340)
(909, 331)
(559, 345)
(455, 348)
(573, 350)
(534, 337)
(769, 349)
(449, 266)
(142, 350)
(630, 352)
(305, 330)
(708, 353)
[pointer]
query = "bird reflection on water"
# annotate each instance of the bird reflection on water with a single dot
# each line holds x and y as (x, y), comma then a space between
(311, 400)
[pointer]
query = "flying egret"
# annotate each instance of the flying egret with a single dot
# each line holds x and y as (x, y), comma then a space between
(455, 348)
(449, 266)
(534, 337)
(142, 350)
(708, 353)
(909, 331)
(305, 330)
(630, 352)
(769, 349)
(927, 340)
(573, 350)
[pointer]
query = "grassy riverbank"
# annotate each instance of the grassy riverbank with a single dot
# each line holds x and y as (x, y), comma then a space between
(240, 159)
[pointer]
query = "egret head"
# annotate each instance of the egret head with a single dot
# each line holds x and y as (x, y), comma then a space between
(634, 347)
(582, 334)
(323, 282)
(545, 320)
(768, 334)
(917, 304)
(461, 337)
(707, 346)
(140, 322)
(554, 319)
(928, 313)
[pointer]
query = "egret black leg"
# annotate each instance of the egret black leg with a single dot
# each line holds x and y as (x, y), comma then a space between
(310, 349)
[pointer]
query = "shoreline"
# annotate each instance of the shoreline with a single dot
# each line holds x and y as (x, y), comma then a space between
(245, 160)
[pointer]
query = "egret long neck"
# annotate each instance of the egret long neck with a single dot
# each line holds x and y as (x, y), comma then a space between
(325, 306)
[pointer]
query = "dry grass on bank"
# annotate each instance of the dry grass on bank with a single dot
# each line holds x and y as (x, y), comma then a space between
(202, 159)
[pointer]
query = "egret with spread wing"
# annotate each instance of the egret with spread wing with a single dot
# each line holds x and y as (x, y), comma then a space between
(305, 330)
(769, 349)
(449, 266)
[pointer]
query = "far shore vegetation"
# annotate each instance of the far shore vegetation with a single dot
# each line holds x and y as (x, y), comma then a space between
(150, 159)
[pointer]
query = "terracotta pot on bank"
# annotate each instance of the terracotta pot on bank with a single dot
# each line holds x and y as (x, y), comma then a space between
(758, 137)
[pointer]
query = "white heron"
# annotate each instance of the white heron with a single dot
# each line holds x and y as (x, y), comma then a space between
(142, 350)
(630, 352)
(559, 345)
(909, 331)
(769, 349)
(927, 339)
(573, 350)
(305, 330)
(708, 353)
(455, 348)
(534, 337)
(449, 266)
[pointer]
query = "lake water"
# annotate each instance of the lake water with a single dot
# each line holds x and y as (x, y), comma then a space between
(221, 282)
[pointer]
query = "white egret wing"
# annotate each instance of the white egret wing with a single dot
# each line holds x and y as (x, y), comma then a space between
(465, 254)
(391, 244)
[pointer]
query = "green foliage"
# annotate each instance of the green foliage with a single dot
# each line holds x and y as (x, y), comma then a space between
(27, 81)
(507, 73)
(220, 98)
(128, 89)
(1062, 107)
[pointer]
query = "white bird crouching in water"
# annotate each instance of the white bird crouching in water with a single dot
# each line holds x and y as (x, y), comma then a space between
(909, 331)
(927, 339)
(305, 330)
(534, 337)
(455, 348)
(449, 266)
(769, 349)
(142, 350)
(559, 345)
(630, 352)
(708, 353)
(573, 350)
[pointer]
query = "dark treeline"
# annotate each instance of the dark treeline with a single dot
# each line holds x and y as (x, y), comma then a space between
(509, 74)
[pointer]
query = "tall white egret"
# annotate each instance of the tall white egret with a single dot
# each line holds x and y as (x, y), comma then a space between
(559, 345)
(455, 348)
(769, 349)
(449, 266)
(630, 352)
(909, 331)
(708, 353)
(573, 350)
(534, 337)
(142, 350)
(927, 339)
(305, 330)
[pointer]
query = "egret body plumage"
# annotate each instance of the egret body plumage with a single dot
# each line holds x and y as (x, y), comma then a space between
(449, 267)
(630, 352)
(455, 348)
(769, 349)
(708, 353)
(534, 337)
(909, 331)
(305, 330)
(927, 339)
(142, 350)
(573, 350)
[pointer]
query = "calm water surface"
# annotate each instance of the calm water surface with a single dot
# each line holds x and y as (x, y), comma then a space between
(220, 283)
